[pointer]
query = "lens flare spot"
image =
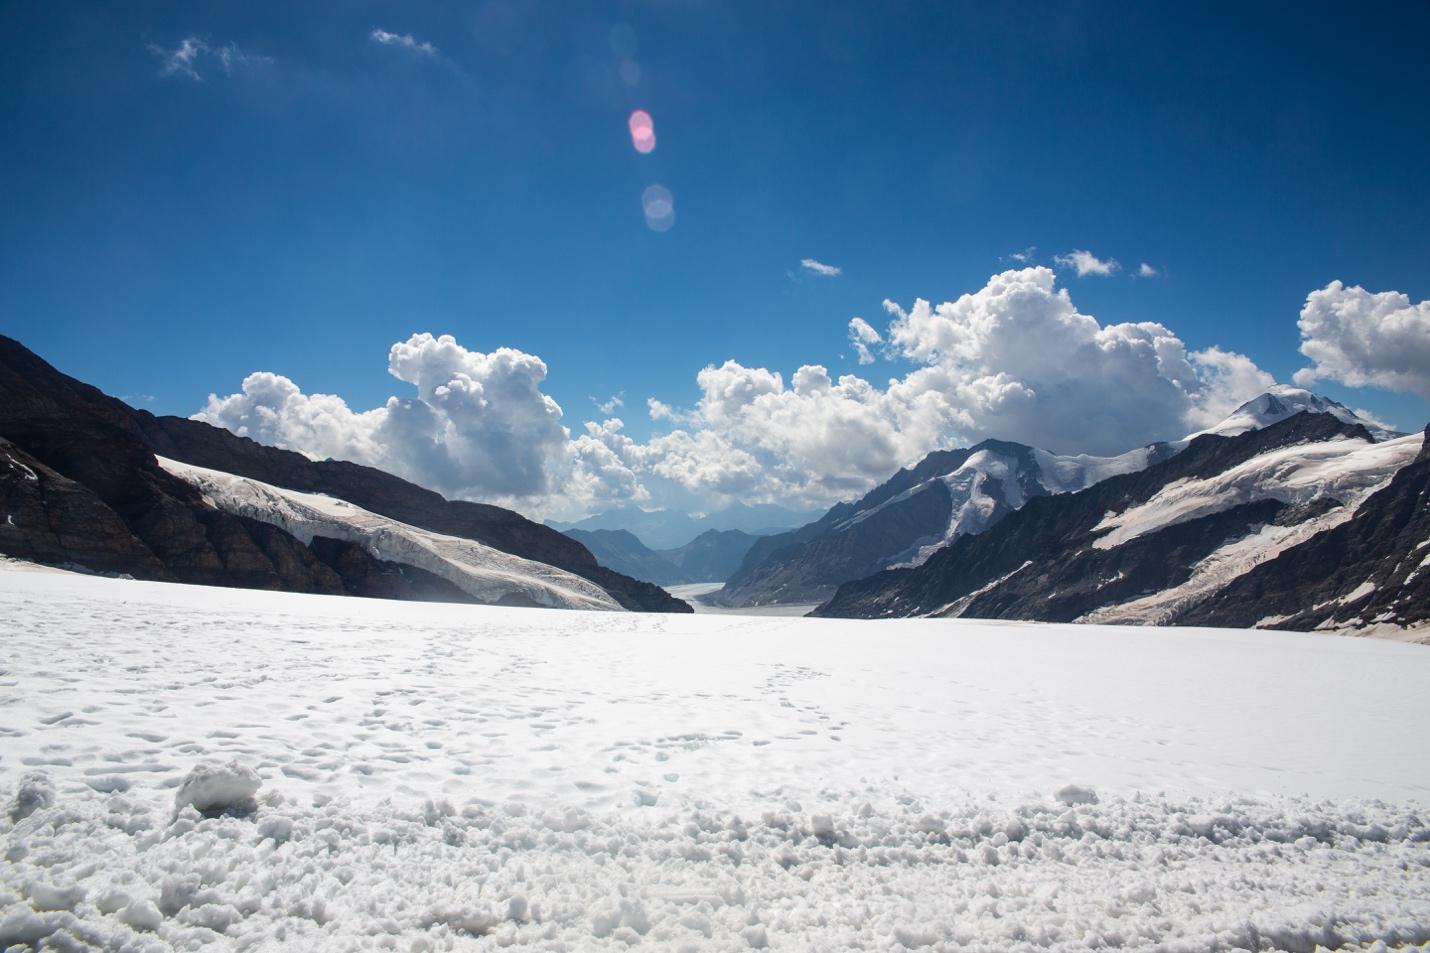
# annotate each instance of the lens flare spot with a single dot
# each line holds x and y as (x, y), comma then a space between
(659, 207)
(642, 129)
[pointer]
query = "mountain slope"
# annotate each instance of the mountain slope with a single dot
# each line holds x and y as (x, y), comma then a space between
(109, 448)
(1373, 569)
(623, 552)
(948, 494)
(486, 574)
(1148, 546)
(713, 555)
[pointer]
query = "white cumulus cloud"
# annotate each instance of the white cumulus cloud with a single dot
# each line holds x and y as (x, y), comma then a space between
(1145, 270)
(861, 335)
(1361, 339)
(1017, 360)
(1014, 359)
(1086, 263)
(479, 426)
(815, 267)
(611, 404)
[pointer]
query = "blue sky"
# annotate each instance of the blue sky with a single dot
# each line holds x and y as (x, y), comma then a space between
(313, 194)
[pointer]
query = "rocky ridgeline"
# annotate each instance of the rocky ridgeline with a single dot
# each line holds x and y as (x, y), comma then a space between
(79, 485)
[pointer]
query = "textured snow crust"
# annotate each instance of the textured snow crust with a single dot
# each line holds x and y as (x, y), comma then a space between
(438, 777)
(481, 571)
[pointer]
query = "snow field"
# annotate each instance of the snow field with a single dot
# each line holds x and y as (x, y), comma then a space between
(454, 777)
(118, 872)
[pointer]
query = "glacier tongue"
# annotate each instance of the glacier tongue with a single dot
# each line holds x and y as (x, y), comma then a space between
(483, 572)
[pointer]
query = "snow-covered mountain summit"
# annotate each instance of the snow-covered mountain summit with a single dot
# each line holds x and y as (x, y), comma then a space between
(1283, 401)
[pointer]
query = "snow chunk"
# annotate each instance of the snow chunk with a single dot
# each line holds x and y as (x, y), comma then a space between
(45, 895)
(34, 791)
(142, 915)
(1071, 794)
(215, 788)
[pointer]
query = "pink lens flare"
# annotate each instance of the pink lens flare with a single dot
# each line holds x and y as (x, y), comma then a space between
(642, 129)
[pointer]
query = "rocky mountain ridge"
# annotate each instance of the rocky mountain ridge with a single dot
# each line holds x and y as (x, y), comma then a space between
(1239, 530)
(97, 467)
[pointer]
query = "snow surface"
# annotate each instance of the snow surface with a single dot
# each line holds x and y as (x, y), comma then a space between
(1068, 473)
(468, 777)
(483, 572)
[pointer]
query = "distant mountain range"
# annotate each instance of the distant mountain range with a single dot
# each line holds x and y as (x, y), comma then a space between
(671, 529)
(88, 481)
(1294, 512)
(710, 557)
(956, 493)
(1307, 522)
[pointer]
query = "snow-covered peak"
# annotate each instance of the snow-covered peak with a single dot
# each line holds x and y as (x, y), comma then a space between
(1283, 401)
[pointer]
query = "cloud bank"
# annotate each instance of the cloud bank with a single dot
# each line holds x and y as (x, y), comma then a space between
(1014, 359)
(1361, 339)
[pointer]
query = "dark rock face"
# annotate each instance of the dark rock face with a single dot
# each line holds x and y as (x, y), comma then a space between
(107, 448)
(49, 518)
(1373, 568)
(1040, 563)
